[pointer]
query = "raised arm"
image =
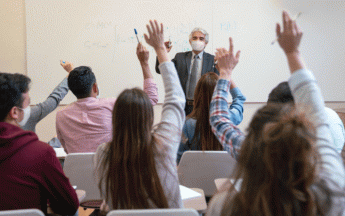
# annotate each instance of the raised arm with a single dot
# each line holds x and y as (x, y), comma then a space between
(41, 110)
(236, 107)
(168, 47)
(308, 99)
(174, 101)
(224, 129)
(150, 87)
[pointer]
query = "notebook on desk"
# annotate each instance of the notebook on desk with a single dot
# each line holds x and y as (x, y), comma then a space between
(187, 193)
(60, 153)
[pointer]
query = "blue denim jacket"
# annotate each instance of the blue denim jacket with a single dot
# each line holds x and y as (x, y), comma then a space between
(236, 110)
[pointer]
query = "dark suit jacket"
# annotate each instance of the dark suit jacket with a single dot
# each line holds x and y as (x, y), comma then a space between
(182, 63)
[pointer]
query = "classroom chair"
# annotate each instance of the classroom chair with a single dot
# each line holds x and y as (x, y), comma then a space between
(199, 169)
(79, 169)
(155, 212)
(22, 212)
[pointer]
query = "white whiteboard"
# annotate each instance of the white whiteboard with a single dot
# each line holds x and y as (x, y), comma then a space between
(100, 34)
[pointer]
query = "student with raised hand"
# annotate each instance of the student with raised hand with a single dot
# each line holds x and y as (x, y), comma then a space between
(85, 124)
(196, 132)
(287, 162)
(34, 114)
(282, 94)
(137, 168)
(30, 172)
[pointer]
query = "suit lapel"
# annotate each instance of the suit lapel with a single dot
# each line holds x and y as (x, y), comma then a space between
(188, 59)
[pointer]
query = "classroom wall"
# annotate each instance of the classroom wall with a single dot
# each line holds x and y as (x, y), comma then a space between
(13, 59)
(12, 36)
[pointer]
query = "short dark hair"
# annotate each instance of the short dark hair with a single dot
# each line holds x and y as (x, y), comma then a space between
(80, 81)
(281, 94)
(10, 94)
(22, 81)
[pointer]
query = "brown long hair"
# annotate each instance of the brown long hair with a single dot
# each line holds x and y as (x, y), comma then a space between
(128, 165)
(203, 135)
(278, 165)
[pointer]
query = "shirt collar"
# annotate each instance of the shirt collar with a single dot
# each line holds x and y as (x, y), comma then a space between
(200, 54)
(88, 99)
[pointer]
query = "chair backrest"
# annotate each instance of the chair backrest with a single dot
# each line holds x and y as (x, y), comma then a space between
(22, 212)
(148, 212)
(199, 169)
(79, 168)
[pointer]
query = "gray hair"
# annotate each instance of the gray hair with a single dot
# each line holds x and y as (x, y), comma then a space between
(200, 30)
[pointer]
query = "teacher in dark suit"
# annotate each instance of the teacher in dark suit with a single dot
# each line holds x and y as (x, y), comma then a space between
(193, 64)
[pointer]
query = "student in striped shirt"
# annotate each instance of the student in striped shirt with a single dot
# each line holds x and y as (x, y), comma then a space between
(287, 162)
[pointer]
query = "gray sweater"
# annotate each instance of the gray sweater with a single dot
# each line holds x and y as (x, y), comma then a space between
(41, 110)
(168, 133)
(308, 99)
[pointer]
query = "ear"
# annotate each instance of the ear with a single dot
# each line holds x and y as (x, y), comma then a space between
(13, 113)
(95, 88)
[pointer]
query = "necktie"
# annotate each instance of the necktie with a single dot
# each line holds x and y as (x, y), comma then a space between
(193, 77)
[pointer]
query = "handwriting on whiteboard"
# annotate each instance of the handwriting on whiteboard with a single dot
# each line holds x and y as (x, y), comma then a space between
(179, 34)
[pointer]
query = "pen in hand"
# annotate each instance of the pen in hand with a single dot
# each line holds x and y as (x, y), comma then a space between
(136, 34)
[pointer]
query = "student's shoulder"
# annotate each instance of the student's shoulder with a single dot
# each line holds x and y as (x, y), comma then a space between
(66, 109)
(100, 151)
(216, 203)
(332, 114)
(44, 148)
(190, 122)
(107, 103)
(101, 148)
(39, 152)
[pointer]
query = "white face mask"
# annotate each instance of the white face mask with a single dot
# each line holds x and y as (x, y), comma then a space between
(26, 117)
(198, 45)
(98, 95)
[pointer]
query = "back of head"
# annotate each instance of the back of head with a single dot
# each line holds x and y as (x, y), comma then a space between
(22, 82)
(11, 88)
(201, 112)
(281, 94)
(277, 164)
(129, 170)
(80, 81)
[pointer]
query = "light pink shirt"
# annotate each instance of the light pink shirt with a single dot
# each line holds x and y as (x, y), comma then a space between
(85, 124)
